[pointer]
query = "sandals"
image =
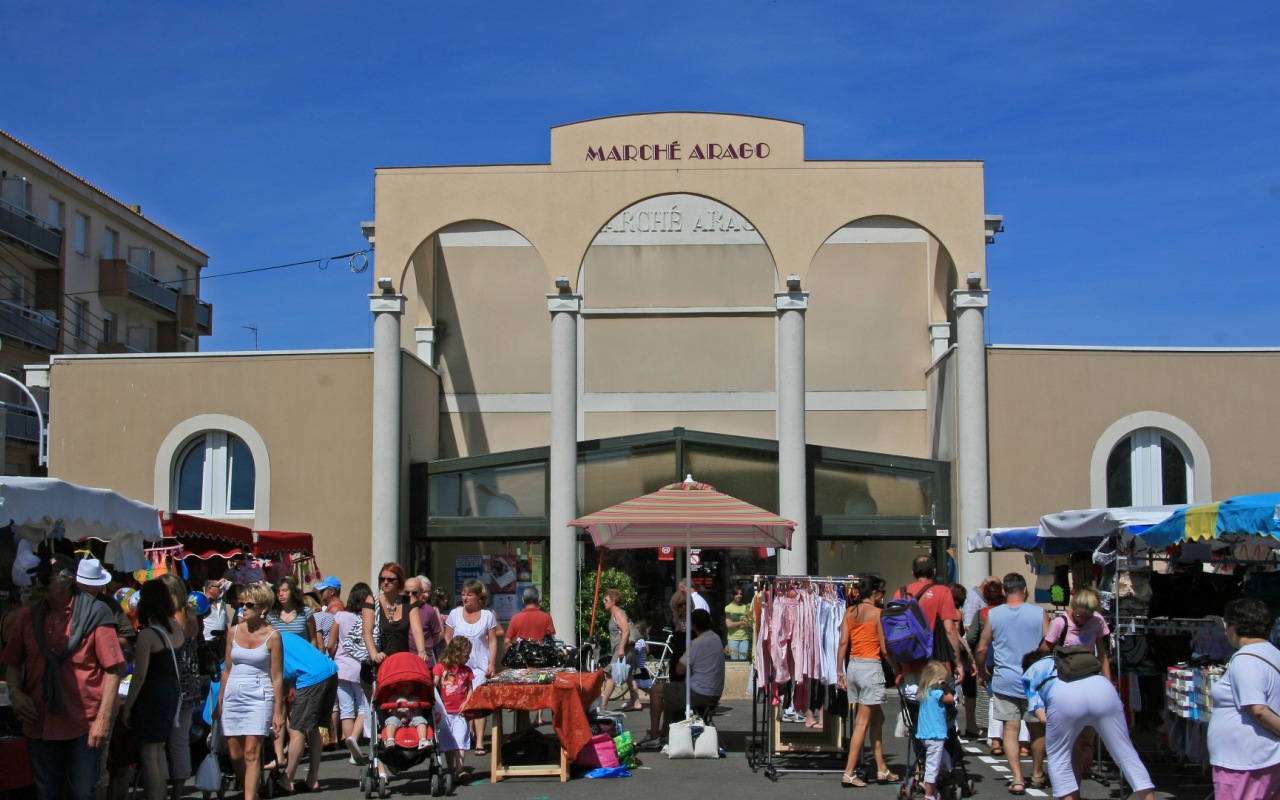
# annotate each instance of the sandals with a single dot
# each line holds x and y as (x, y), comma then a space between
(848, 781)
(887, 777)
(480, 752)
(1018, 788)
(997, 751)
(1041, 782)
(629, 707)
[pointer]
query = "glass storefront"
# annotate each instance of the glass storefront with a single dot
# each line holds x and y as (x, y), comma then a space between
(868, 512)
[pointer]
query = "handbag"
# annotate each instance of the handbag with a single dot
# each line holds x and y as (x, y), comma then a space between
(209, 775)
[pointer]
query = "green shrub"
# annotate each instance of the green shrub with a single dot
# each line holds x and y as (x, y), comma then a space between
(609, 579)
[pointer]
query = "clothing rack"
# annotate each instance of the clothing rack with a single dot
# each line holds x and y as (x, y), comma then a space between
(761, 752)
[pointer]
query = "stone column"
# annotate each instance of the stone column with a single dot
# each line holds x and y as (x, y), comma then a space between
(971, 430)
(384, 539)
(792, 491)
(563, 467)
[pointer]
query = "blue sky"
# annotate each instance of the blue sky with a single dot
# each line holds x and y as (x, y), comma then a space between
(1132, 147)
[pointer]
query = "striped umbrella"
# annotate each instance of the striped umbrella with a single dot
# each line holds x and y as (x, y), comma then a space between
(685, 514)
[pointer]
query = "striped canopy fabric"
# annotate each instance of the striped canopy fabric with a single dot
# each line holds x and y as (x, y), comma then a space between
(1246, 515)
(686, 513)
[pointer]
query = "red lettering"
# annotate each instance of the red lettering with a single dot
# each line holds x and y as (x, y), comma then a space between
(715, 151)
(595, 154)
(746, 150)
(696, 152)
(730, 152)
(613, 154)
(629, 152)
(762, 150)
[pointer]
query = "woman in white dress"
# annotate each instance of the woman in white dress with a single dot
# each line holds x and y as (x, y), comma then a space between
(251, 699)
(477, 624)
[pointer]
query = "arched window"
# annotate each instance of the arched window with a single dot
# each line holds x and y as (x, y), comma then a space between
(1149, 467)
(214, 475)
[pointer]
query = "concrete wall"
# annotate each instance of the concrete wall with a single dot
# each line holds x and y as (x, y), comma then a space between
(117, 423)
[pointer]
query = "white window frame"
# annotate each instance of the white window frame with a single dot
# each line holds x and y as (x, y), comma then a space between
(82, 234)
(1194, 450)
(57, 213)
(215, 495)
(80, 319)
(1146, 466)
(166, 461)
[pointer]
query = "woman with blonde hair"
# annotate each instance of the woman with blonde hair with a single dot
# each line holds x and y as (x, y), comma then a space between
(251, 699)
(478, 624)
(622, 646)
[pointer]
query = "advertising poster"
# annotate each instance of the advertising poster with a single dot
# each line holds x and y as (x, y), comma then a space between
(464, 569)
(535, 569)
(502, 575)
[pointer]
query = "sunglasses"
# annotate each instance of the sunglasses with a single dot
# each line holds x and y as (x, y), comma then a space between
(389, 579)
(248, 604)
(413, 592)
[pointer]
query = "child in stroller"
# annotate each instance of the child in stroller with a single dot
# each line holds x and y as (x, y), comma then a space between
(934, 750)
(404, 690)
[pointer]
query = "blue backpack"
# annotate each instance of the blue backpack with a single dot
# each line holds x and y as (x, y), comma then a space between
(907, 634)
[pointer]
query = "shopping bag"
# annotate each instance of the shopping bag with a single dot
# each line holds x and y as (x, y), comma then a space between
(209, 776)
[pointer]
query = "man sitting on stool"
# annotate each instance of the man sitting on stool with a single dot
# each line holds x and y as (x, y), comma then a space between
(703, 666)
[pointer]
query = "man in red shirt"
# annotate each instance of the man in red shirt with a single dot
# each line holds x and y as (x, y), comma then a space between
(63, 665)
(935, 602)
(531, 622)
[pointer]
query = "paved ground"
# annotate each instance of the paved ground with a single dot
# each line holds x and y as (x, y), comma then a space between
(660, 777)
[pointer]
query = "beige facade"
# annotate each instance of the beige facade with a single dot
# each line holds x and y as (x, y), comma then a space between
(675, 265)
(123, 422)
(81, 272)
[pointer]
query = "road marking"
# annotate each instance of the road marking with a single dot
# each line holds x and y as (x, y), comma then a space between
(991, 760)
(973, 749)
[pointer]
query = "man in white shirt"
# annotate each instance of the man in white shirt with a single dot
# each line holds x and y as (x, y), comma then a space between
(215, 624)
(699, 602)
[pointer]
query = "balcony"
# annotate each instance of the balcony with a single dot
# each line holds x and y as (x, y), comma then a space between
(195, 315)
(31, 232)
(117, 278)
(21, 423)
(27, 326)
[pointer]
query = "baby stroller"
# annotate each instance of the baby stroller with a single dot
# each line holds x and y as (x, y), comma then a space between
(952, 783)
(401, 674)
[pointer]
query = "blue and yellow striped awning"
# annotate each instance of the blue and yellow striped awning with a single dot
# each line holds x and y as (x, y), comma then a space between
(1246, 515)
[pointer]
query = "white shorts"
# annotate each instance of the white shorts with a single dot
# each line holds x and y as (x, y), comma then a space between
(459, 730)
(351, 700)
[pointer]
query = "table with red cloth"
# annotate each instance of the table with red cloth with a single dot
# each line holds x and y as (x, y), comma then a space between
(568, 695)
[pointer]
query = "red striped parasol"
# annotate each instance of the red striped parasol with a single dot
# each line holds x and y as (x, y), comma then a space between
(683, 515)
(686, 514)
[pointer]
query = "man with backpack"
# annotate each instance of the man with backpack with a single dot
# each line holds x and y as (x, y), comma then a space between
(910, 622)
(1014, 630)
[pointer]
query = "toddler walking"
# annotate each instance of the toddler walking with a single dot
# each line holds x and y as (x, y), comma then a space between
(931, 725)
(453, 681)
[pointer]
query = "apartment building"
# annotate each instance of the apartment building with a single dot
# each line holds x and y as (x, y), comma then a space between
(81, 272)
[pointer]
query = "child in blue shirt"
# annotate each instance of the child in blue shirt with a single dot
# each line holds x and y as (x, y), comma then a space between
(931, 725)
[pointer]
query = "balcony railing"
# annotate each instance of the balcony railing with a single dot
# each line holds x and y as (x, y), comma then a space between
(116, 278)
(195, 315)
(21, 423)
(28, 326)
(32, 231)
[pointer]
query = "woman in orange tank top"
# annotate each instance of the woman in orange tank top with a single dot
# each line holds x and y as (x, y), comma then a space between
(863, 677)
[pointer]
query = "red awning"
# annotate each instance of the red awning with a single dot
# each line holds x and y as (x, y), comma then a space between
(208, 538)
(271, 543)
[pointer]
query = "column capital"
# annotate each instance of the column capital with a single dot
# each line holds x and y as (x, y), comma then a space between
(564, 301)
(791, 301)
(386, 303)
(970, 298)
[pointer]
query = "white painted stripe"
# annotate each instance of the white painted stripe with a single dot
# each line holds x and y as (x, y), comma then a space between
(619, 402)
(879, 234)
(1000, 769)
(903, 400)
(1037, 792)
(973, 750)
(991, 759)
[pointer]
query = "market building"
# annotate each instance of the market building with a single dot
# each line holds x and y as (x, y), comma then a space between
(671, 294)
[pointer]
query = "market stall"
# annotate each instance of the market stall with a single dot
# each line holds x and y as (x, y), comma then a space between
(238, 553)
